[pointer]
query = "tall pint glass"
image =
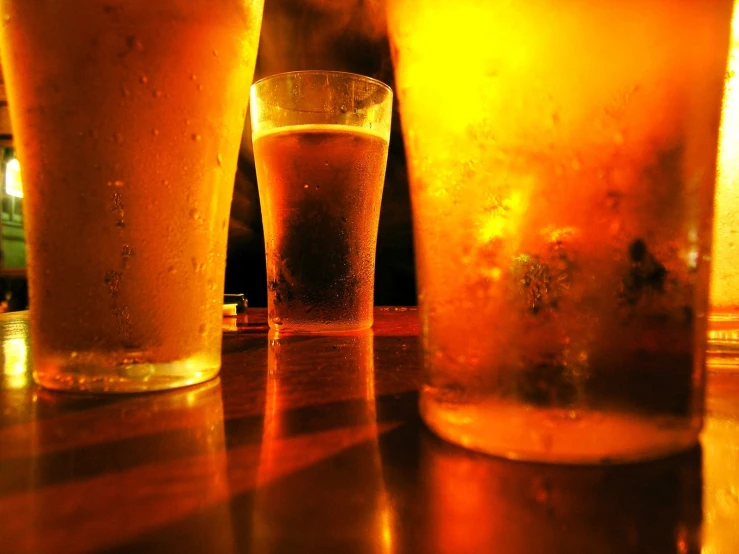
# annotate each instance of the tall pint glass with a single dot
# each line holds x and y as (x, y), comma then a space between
(128, 116)
(561, 161)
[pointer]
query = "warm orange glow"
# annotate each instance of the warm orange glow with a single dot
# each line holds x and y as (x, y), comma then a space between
(725, 259)
(560, 157)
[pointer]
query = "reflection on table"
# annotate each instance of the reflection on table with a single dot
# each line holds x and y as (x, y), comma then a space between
(313, 444)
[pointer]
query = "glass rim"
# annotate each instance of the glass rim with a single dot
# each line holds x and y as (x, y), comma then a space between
(329, 72)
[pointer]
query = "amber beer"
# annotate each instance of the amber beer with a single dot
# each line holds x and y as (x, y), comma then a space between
(320, 188)
(561, 161)
(320, 149)
(128, 116)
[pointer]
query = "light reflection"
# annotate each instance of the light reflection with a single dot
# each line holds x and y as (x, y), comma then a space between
(475, 503)
(725, 258)
(15, 363)
(320, 479)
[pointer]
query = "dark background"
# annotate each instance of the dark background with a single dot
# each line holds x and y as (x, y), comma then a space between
(342, 35)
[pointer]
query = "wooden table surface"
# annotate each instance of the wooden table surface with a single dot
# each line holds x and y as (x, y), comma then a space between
(314, 444)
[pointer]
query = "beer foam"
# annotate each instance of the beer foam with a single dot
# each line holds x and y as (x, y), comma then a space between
(320, 128)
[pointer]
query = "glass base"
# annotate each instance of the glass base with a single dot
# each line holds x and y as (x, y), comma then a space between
(722, 351)
(97, 375)
(300, 328)
(565, 436)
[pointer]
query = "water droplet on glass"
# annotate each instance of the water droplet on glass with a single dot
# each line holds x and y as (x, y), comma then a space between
(215, 52)
(135, 44)
(202, 328)
(172, 269)
(219, 159)
(342, 109)
(200, 87)
(157, 94)
(143, 79)
(126, 251)
(195, 214)
(193, 77)
(196, 137)
(155, 132)
(305, 186)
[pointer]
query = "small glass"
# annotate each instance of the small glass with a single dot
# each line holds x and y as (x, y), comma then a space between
(320, 149)
(561, 161)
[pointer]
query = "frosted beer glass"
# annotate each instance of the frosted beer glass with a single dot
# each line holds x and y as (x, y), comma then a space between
(320, 150)
(128, 116)
(723, 322)
(561, 161)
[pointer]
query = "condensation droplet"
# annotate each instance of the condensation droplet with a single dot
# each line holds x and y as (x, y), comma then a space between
(193, 77)
(157, 94)
(219, 159)
(196, 137)
(155, 132)
(172, 269)
(135, 44)
(195, 214)
(202, 329)
(143, 79)
(215, 52)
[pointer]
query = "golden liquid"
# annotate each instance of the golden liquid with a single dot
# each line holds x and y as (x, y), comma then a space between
(128, 117)
(561, 159)
(320, 188)
(723, 334)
